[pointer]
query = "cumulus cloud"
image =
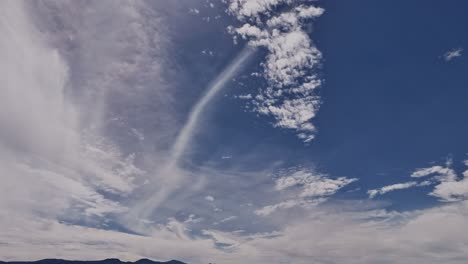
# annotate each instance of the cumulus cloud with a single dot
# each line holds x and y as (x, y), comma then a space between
(451, 188)
(453, 54)
(451, 191)
(290, 62)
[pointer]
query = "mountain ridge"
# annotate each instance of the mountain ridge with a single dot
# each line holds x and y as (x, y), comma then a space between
(104, 261)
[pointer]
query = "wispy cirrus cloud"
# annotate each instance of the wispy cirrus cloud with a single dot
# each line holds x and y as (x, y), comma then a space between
(305, 188)
(59, 106)
(445, 172)
(397, 186)
(60, 162)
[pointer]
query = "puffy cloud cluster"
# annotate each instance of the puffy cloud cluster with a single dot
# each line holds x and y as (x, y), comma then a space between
(292, 57)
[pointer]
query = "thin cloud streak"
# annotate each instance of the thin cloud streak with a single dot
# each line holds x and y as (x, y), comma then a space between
(187, 131)
(145, 209)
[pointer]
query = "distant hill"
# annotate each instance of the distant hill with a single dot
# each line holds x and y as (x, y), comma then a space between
(105, 261)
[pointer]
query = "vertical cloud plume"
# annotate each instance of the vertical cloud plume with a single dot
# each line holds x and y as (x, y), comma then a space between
(173, 175)
(189, 127)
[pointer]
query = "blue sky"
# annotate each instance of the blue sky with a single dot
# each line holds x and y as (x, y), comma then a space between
(274, 131)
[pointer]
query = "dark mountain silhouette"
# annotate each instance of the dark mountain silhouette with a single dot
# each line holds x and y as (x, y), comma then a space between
(105, 261)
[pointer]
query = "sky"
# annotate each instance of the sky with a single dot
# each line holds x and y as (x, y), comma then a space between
(226, 131)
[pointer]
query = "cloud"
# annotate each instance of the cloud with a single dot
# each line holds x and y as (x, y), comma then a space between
(336, 238)
(194, 11)
(227, 219)
(451, 188)
(270, 209)
(435, 235)
(161, 192)
(308, 189)
(397, 186)
(209, 198)
(48, 150)
(189, 127)
(439, 170)
(447, 185)
(290, 62)
(90, 73)
(450, 191)
(245, 9)
(312, 185)
(452, 54)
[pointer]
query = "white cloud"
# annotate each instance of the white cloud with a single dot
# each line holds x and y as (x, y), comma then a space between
(47, 149)
(300, 202)
(450, 191)
(209, 198)
(325, 186)
(447, 185)
(451, 188)
(397, 186)
(452, 54)
(162, 191)
(245, 96)
(269, 209)
(227, 240)
(61, 165)
(308, 189)
(436, 235)
(423, 172)
(227, 219)
(309, 11)
(312, 185)
(251, 9)
(290, 96)
(194, 11)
